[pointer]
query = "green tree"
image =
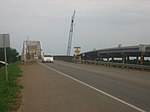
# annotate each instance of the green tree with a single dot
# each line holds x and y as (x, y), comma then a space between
(11, 54)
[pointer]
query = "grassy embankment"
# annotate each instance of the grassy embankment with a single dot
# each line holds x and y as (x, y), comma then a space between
(9, 90)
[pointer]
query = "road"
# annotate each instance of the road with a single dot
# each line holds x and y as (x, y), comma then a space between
(132, 88)
(69, 87)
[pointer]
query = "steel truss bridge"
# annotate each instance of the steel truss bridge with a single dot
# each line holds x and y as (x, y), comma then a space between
(31, 50)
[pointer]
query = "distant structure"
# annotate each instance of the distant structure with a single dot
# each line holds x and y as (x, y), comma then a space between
(70, 35)
(31, 50)
(125, 53)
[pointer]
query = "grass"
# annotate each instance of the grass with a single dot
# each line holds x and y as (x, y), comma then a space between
(9, 89)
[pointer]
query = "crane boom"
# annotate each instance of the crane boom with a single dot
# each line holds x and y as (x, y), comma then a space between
(70, 34)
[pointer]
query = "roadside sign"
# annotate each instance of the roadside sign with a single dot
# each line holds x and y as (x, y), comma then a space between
(77, 51)
(4, 40)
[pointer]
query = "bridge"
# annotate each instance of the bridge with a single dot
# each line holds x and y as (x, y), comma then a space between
(124, 53)
(31, 50)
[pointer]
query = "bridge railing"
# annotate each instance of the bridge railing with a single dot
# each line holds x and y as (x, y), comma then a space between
(111, 64)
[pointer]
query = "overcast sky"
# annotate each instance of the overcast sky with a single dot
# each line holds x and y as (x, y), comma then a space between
(98, 23)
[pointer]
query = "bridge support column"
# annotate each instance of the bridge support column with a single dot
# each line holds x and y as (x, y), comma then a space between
(123, 59)
(107, 59)
(128, 59)
(112, 59)
(137, 60)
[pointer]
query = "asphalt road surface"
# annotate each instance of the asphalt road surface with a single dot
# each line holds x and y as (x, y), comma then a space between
(129, 86)
(69, 87)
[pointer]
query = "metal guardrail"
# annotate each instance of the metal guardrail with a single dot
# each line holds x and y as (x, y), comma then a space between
(110, 64)
(3, 62)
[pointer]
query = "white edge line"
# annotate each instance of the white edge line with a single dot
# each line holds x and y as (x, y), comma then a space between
(113, 97)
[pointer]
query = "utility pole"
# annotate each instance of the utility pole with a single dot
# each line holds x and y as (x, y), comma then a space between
(70, 34)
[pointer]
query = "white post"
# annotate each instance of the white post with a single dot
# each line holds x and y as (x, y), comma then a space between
(5, 55)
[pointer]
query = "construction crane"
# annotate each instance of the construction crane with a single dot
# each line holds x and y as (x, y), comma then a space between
(70, 34)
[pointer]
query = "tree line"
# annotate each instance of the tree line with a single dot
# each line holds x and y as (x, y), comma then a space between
(12, 55)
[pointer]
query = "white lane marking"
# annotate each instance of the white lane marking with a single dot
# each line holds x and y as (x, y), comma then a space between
(113, 97)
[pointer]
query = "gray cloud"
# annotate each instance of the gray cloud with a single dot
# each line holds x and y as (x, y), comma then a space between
(99, 23)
